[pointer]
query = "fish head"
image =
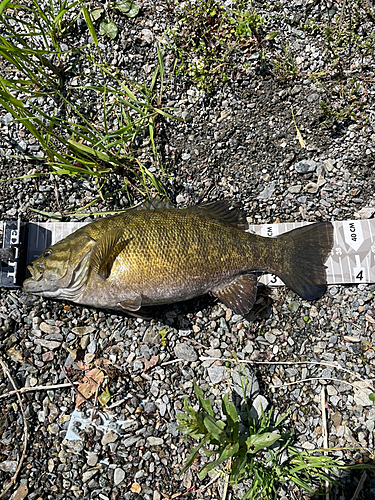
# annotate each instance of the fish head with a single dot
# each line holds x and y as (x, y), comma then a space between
(62, 269)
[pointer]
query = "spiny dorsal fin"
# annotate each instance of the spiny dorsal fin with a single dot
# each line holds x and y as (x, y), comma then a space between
(240, 294)
(105, 251)
(222, 211)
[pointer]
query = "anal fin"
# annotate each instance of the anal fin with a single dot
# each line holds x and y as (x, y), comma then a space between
(240, 295)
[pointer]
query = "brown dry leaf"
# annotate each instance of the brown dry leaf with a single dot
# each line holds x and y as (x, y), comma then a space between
(89, 385)
(82, 366)
(103, 363)
(369, 318)
(149, 364)
(136, 488)
(21, 493)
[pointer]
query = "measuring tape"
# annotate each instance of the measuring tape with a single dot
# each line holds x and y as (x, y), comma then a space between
(352, 258)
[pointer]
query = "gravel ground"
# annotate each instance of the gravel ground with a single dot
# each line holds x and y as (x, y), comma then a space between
(237, 142)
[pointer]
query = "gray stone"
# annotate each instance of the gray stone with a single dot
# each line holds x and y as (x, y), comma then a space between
(131, 440)
(155, 441)
(8, 466)
(245, 383)
(118, 476)
(7, 118)
(267, 191)
(334, 400)
(295, 189)
(91, 348)
(146, 36)
(109, 437)
(306, 166)
(255, 410)
(151, 337)
(270, 337)
(361, 396)
(216, 373)
(185, 351)
(46, 328)
(149, 407)
(313, 97)
(89, 474)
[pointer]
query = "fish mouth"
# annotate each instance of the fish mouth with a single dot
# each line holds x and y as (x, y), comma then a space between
(36, 271)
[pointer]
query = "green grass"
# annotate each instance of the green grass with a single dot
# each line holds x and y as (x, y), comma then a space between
(76, 139)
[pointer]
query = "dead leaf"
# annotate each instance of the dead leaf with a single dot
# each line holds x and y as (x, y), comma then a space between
(21, 493)
(89, 385)
(82, 366)
(369, 318)
(136, 488)
(103, 363)
(149, 364)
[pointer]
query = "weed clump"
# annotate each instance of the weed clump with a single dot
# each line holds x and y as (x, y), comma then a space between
(212, 41)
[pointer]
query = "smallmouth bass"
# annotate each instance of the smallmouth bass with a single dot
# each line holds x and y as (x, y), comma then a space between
(155, 254)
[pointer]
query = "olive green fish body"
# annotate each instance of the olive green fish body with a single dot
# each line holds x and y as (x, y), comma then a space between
(148, 257)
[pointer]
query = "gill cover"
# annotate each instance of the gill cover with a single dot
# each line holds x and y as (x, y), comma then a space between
(62, 269)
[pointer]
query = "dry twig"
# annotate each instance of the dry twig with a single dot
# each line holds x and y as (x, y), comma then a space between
(36, 388)
(25, 431)
(360, 486)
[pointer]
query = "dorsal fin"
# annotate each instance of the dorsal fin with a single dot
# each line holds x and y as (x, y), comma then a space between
(222, 211)
(105, 251)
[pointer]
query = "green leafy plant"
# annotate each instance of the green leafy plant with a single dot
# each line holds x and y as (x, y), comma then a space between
(208, 34)
(163, 336)
(108, 26)
(262, 454)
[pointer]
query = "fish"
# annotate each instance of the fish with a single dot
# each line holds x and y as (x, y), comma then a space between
(157, 254)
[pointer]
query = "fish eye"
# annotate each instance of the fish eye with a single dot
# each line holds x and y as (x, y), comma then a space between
(47, 252)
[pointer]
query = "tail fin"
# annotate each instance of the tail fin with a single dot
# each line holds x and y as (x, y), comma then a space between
(306, 250)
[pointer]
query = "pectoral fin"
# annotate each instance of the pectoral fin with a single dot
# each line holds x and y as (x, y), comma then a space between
(240, 294)
(105, 251)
